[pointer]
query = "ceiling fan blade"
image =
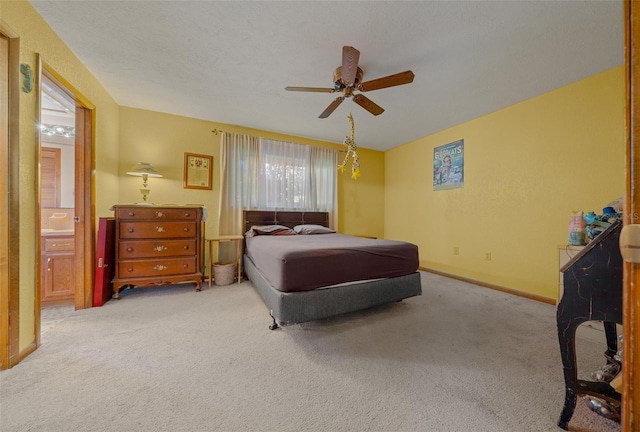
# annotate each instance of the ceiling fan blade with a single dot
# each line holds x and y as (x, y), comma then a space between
(405, 77)
(331, 108)
(367, 104)
(311, 89)
(350, 57)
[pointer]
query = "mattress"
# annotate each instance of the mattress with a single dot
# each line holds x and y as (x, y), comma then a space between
(292, 263)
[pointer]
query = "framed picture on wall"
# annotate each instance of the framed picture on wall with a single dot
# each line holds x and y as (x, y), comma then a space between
(198, 171)
(448, 166)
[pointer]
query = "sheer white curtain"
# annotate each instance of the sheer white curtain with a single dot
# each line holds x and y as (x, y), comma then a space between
(298, 177)
(239, 162)
(324, 182)
(285, 181)
(263, 174)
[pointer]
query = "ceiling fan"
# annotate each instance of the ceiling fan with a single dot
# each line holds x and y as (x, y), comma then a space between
(348, 78)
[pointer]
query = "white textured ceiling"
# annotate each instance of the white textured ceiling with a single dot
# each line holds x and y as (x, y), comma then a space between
(229, 61)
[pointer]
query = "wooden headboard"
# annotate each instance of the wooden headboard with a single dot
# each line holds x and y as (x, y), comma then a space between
(286, 218)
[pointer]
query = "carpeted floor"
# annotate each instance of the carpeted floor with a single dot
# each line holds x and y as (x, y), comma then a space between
(458, 358)
(51, 316)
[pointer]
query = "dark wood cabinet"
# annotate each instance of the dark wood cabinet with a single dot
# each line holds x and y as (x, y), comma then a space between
(592, 292)
(57, 269)
(157, 245)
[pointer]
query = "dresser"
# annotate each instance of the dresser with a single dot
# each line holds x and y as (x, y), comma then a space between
(157, 245)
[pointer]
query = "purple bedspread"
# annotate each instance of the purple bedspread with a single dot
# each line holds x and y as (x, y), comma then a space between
(306, 262)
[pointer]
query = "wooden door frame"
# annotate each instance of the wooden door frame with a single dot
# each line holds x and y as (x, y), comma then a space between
(9, 205)
(84, 191)
(631, 272)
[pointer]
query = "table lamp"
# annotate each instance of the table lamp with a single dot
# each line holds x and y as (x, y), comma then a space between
(144, 170)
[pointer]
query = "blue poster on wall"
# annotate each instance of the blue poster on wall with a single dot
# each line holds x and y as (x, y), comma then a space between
(448, 166)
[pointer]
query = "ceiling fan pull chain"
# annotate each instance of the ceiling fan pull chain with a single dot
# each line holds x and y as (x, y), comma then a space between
(352, 150)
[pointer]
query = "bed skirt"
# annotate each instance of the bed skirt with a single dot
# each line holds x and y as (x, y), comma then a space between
(289, 308)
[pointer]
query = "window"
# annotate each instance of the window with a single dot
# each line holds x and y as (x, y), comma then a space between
(285, 176)
(262, 174)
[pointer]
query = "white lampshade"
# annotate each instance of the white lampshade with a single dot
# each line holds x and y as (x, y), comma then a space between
(142, 168)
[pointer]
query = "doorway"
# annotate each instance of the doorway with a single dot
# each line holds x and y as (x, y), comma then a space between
(57, 192)
(65, 204)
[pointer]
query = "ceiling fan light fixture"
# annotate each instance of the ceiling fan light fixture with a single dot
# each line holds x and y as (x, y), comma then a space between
(337, 78)
(348, 78)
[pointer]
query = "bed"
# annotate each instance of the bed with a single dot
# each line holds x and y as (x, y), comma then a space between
(317, 273)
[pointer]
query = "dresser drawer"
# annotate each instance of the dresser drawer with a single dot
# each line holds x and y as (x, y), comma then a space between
(153, 230)
(157, 214)
(159, 248)
(58, 244)
(156, 267)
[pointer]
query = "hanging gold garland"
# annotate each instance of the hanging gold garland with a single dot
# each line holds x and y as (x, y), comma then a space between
(352, 150)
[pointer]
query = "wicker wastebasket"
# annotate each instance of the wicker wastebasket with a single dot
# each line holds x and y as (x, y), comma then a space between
(224, 273)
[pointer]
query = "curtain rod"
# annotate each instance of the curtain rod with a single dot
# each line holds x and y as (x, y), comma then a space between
(216, 131)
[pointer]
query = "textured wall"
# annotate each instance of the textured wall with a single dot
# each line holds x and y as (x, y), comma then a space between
(528, 168)
(162, 139)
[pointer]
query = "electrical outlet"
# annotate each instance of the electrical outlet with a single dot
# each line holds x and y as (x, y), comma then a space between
(487, 256)
(456, 250)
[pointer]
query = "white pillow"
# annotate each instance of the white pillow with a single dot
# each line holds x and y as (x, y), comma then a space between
(312, 229)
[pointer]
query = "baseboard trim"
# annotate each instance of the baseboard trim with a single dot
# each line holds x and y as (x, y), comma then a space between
(492, 286)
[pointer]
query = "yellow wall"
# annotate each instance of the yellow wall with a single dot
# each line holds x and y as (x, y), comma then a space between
(162, 139)
(36, 37)
(528, 168)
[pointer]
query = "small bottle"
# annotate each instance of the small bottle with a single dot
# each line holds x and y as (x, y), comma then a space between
(577, 233)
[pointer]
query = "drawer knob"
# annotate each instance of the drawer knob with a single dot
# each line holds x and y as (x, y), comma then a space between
(159, 214)
(131, 213)
(129, 269)
(185, 265)
(159, 229)
(130, 230)
(159, 248)
(187, 214)
(186, 229)
(186, 247)
(159, 267)
(129, 249)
